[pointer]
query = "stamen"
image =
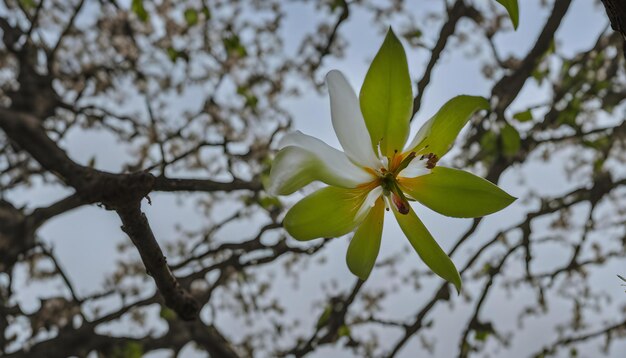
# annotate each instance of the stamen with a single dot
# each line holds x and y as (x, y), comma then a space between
(371, 171)
(387, 203)
(405, 163)
(399, 200)
(432, 160)
(402, 205)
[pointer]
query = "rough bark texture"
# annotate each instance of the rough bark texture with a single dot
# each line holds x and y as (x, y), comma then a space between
(616, 10)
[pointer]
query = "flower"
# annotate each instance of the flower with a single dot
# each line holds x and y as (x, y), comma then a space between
(378, 171)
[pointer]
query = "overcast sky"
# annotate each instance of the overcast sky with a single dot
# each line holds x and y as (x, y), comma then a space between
(86, 239)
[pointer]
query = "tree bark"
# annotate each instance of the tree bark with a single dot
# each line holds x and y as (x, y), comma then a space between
(616, 10)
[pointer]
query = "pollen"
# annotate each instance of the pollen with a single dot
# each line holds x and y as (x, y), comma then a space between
(432, 160)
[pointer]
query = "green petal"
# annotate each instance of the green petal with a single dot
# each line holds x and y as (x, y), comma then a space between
(365, 244)
(513, 9)
(387, 98)
(456, 193)
(427, 248)
(438, 134)
(328, 212)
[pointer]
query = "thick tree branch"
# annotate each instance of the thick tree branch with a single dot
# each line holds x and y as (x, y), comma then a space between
(616, 10)
(447, 30)
(168, 184)
(120, 192)
(135, 224)
(509, 86)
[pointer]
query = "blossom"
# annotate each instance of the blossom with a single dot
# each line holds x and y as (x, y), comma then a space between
(378, 170)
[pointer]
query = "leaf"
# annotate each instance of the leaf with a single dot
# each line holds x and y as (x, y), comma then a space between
(328, 212)
(413, 35)
(540, 73)
(524, 116)
(324, 317)
(427, 248)
(438, 134)
(343, 331)
(269, 203)
(191, 16)
(386, 97)
(365, 244)
(92, 162)
(512, 8)
(128, 350)
(139, 10)
(511, 141)
(456, 193)
(28, 4)
(600, 143)
(489, 142)
(481, 336)
(167, 314)
(207, 12)
(175, 54)
(598, 165)
(248, 95)
(234, 47)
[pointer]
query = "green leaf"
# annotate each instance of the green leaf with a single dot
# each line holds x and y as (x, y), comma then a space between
(438, 134)
(28, 4)
(343, 331)
(524, 116)
(386, 97)
(413, 35)
(234, 47)
(175, 54)
(167, 314)
(207, 12)
(511, 141)
(324, 317)
(365, 244)
(92, 162)
(139, 10)
(191, 16)
(427, 248)
(328, 212)
(481, 336)
(513, 9)
(269, 203)
(540, 73)
(598, 165)
(456, 193)
(128, 350)
(489, 142)
(248, 95)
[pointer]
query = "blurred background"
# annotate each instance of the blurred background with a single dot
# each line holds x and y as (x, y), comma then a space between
(198, 93)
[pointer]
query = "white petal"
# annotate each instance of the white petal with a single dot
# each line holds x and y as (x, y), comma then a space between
(415, 168)
(335, 160)
(420, 135)
(384, 160)
(306, 159)
(368, 203)
(387, 203)
(348, 121)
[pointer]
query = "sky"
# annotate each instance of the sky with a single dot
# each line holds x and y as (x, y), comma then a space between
(86, 239)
